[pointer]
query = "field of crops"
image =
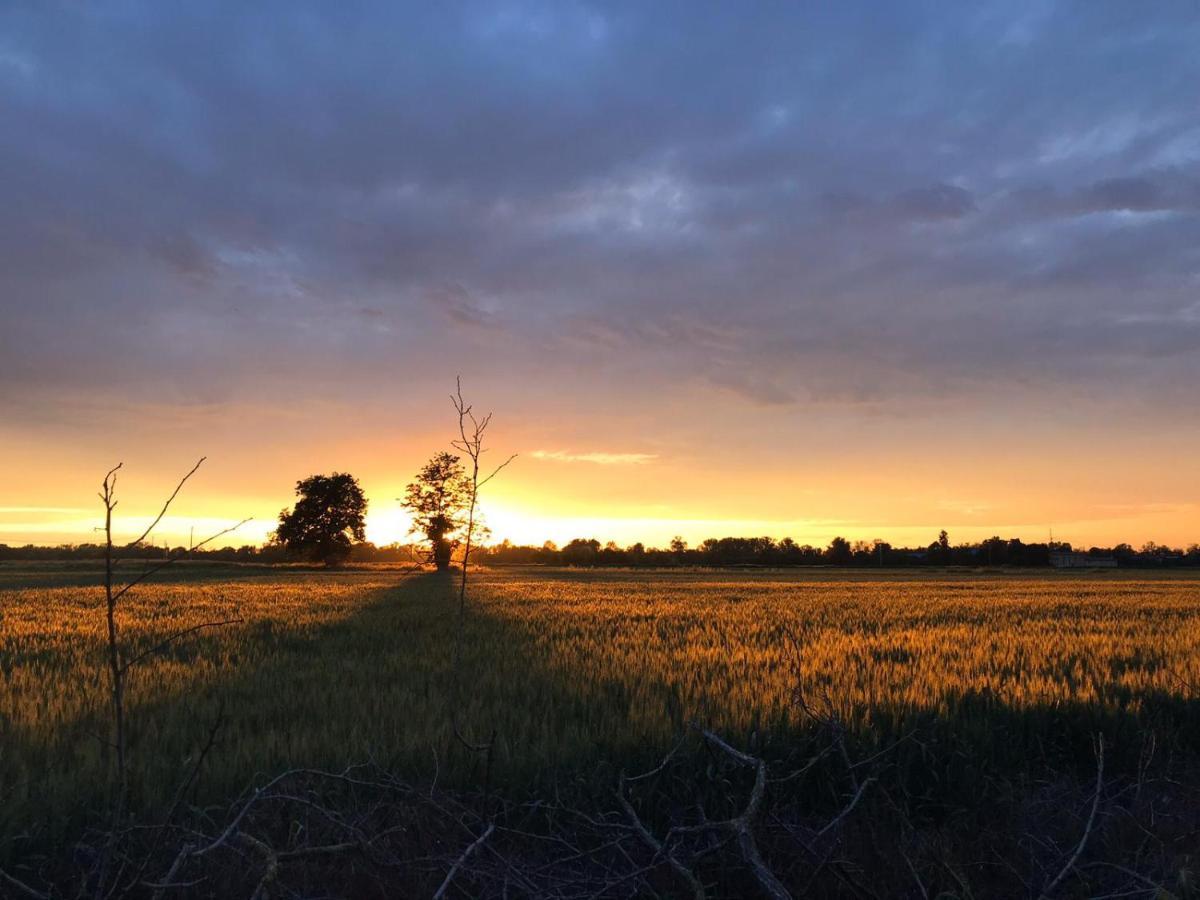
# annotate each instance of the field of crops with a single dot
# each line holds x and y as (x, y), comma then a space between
(571, 668)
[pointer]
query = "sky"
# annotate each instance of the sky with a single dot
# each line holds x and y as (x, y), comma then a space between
(781, 269)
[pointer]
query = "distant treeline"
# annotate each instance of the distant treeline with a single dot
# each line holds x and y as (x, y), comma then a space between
(729, 551)
(766, 551)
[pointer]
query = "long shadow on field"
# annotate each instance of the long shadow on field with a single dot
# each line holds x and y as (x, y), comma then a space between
(369, 685)
(378, 685)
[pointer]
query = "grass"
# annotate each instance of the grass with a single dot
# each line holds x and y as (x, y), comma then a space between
(574, 668)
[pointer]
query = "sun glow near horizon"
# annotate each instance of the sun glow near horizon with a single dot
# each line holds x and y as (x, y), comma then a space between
(541, 502)
(631, 490)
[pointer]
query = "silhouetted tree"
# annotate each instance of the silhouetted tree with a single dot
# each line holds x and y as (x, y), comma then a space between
(327, 519)
(994, 551)
(789, 553)
(861, 551)
(839, 552)
(438, 501)
(581, 552)
(940, 549)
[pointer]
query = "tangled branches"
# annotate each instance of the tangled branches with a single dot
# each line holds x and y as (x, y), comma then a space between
(709, 820)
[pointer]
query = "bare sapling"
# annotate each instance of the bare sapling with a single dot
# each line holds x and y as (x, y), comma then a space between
(120, 662)
(471, 430)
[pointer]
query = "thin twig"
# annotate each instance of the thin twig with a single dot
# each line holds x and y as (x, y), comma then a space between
(461, 861)
(168, 881)
(22, 886)
(171, 560)
(657, 846)
(130, 663)
(162, 512)
(837, 820)
(1087, 830)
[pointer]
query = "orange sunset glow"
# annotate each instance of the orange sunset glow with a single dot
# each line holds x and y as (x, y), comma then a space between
(821, 474)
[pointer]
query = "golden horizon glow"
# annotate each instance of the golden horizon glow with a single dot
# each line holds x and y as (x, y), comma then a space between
(860, 479)
(507, 521)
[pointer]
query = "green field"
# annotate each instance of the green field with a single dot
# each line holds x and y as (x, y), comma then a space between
(574, 668)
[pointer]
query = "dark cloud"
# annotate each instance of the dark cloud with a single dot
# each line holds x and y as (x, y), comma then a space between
(943, 201)
(1123, 194)
(846, 203)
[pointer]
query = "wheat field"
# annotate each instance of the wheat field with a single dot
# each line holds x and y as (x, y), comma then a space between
(570, 669)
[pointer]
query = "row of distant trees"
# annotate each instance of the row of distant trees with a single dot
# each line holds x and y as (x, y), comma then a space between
(765, 551)
(729, 551)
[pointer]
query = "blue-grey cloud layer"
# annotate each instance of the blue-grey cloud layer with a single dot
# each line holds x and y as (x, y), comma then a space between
(838, 202)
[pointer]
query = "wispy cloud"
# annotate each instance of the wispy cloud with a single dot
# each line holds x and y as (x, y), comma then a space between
(965, 507)
(460, 306)
(603, 459)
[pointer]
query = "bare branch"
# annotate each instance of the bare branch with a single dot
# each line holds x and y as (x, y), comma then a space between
(170, 560)
(837, 820)
(657, 846)
(496, 471)
(323, 850)
(744, 758)
(180, 792)
(110, 479)
(742, 826)
(1087, 830)
(168, 881)
(130, 663)
(666, 760)
(270, 857)
(232, 828)
(160, 886)
(175, 493)
(470, 745)
(22, 886)
(458, 864)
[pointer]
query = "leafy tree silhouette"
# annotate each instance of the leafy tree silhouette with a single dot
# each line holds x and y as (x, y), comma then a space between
(326, 520)
(581, 552)
(943, 547)
(438, 500)
(838, 553)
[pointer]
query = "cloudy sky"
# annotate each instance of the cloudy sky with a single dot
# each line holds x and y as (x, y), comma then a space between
(868, 269)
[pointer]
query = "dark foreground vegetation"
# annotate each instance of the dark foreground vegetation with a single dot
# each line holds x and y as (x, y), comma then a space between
(811, 818)
(623, 735)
